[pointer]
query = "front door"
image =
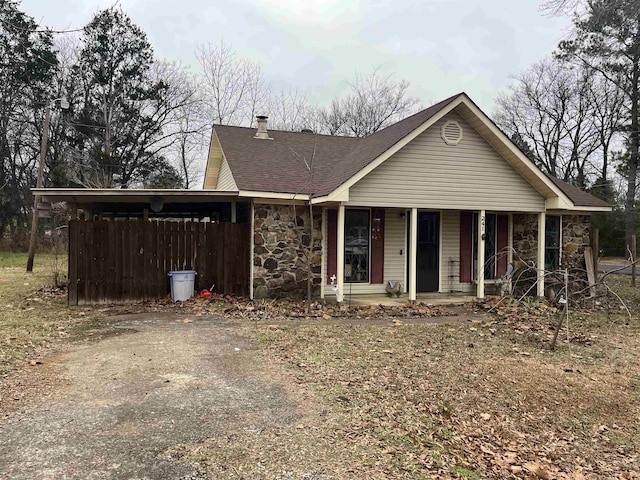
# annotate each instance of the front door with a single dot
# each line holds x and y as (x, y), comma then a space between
(428, 253)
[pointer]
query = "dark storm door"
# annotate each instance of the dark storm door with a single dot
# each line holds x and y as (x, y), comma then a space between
(428, 253)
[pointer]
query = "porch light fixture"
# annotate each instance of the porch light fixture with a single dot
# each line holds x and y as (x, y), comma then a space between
(156, 203)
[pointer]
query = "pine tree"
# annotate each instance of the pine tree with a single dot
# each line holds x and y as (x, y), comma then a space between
(122, 109)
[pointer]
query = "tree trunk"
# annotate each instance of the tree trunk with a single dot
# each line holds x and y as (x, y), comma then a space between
(633, 157)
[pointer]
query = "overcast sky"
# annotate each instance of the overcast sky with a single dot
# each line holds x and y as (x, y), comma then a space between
(441, 47)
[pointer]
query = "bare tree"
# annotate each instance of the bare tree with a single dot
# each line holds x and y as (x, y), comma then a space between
(556, 8)
(233, 87)
(568, 116)
(187, 129)
(375, 101)
(289, 110)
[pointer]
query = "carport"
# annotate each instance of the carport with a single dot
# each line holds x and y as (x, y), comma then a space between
(123, 243)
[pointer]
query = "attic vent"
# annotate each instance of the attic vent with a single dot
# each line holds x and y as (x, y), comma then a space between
(451, 132)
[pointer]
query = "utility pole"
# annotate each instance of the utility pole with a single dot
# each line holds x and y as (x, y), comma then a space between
(40, 180)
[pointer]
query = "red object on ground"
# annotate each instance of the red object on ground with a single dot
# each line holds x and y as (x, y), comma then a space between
(205, 294)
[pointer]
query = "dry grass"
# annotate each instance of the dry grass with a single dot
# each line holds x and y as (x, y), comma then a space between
(471, 400)
(35, 316)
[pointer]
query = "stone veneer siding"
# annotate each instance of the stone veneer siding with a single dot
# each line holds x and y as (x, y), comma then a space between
(575, 236)
(279, 263)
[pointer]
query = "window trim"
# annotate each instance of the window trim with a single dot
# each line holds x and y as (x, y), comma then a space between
(368, 282)
(559, 247)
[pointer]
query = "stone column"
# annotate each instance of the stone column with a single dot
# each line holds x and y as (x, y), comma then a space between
(541, 245)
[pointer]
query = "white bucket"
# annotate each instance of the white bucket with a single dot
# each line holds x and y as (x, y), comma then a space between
(182, 284)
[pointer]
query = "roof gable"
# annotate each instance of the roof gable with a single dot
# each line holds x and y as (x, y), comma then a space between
(430, 173)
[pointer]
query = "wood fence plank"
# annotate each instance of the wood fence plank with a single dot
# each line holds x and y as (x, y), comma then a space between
(228, 266)
(91, 263)
(181, 256)
(212, 280)
(83, 263)
(175, 255)
(139, 280)
(149, 272)
(126, 261)
(201, 260)
(188, 246)
(72, 292)
(118, 260)
(165, 259)
(110, 291)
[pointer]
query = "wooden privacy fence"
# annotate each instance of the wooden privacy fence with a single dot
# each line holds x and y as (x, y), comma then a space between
(127, 260)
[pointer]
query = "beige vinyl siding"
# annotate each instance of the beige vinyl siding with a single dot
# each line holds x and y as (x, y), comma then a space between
(450, 254)
(394, 242)
(428, 173)
(225, 179)
(214, 161)
(394, 262)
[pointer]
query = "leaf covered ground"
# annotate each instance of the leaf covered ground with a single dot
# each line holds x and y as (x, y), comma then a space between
(473, 400)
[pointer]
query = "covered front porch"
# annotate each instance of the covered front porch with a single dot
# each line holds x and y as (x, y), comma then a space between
(436, 256)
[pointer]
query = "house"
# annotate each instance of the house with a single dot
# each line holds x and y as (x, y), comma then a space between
(430, 201)
(440, 201)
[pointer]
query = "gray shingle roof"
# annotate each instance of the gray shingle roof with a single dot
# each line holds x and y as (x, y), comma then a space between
(580, 198)
(279, 165)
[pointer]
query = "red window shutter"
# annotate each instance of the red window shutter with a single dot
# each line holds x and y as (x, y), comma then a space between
(502, 244)
(332, 244)
(466, 246)
(377, 245)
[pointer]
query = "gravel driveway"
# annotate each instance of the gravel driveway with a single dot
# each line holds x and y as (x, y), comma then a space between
(124, 401)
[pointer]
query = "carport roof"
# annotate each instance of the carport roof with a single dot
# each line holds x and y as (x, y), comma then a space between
(142, 195)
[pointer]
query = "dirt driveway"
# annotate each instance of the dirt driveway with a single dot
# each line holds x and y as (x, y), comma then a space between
(125, 401)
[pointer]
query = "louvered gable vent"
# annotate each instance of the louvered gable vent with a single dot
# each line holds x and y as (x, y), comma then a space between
(451, 132)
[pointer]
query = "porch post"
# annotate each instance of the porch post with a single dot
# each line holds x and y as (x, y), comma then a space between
(510, 240)
(323, 268)
(541, 245)
(340, 255)
(251, 249)
(480, 265)
(413, 255)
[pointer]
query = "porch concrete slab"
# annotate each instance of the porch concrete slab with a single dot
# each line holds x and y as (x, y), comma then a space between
(428, 299)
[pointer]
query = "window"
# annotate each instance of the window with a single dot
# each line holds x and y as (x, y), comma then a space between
(490, 245)
(356, 246)
(552, 239)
